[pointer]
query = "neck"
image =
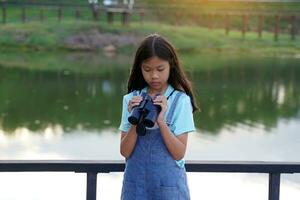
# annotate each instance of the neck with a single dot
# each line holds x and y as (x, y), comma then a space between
(161, 91)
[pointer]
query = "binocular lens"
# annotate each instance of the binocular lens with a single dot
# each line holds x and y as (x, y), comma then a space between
(148, 123)
(135, 116)
(133, 120)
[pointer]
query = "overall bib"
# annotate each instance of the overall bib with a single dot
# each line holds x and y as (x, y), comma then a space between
(151, 173)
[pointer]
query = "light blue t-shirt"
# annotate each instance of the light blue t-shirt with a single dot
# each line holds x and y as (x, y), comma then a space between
(181, 122)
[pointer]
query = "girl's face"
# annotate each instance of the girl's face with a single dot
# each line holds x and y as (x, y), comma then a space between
(156, 73)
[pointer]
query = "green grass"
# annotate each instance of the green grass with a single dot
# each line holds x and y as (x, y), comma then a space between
(52, 36)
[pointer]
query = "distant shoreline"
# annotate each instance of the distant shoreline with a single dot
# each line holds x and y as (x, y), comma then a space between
(91, 36)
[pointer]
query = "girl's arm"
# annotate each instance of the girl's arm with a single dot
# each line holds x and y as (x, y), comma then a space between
(176, 145)
(128, 141)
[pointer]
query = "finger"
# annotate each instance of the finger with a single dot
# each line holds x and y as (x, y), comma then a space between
(137, 98)
(159, 103)
(135, 103)
(132, 105)
(160, 97)
(159, 100)
(157, 97)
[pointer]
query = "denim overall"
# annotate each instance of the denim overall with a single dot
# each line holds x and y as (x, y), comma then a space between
(151, 173)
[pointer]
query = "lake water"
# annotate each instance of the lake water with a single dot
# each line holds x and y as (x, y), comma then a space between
(250, 110)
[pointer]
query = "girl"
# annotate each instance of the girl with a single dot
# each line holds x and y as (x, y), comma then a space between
(154, 162)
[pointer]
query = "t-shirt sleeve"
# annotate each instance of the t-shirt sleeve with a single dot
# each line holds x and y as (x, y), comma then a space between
(125, 125)
(183, 120)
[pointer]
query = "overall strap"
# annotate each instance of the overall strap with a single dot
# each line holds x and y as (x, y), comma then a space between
(173, 106)
(170, 94)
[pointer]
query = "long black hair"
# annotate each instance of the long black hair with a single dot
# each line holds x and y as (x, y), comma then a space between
(156, 45)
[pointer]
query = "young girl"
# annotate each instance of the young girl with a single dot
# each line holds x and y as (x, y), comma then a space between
(154, 162)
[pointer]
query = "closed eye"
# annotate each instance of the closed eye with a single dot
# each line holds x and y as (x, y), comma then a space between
(146, 69)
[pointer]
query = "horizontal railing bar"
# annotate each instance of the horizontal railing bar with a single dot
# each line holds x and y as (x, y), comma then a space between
(102, 166)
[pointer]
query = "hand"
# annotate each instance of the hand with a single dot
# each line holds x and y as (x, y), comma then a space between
(135, 101)
(162, 101)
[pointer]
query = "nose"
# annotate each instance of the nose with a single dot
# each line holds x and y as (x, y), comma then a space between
(154, 75)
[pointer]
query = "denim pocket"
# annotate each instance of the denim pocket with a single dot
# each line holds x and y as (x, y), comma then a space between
(128, 191)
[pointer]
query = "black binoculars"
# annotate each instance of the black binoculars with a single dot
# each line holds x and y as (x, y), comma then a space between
(144, 115)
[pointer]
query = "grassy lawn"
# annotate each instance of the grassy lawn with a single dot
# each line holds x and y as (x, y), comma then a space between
(53, 35)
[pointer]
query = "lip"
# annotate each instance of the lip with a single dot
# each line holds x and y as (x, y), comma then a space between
(155, 83)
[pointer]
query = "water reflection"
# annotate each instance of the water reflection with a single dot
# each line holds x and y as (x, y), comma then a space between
(248, 93)
(231, 91)
(38, 99)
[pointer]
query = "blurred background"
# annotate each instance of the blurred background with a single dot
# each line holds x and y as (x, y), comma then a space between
(64, 66)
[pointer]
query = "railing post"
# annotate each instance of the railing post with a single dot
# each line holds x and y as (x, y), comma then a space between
(59, 13)
(3, 12)
(95, 11)
(211, 18)
(77, 14)
(227, 24)
(110, 17)
(23, 16)
(274, 186)
(260, 25)
(245, 25)
(125, 17)
(293, 27)
(142, 16)
(41, 14)
(91, 186)
(276, 28)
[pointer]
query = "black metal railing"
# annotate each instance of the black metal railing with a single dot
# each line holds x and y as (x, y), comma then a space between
(93, 167)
